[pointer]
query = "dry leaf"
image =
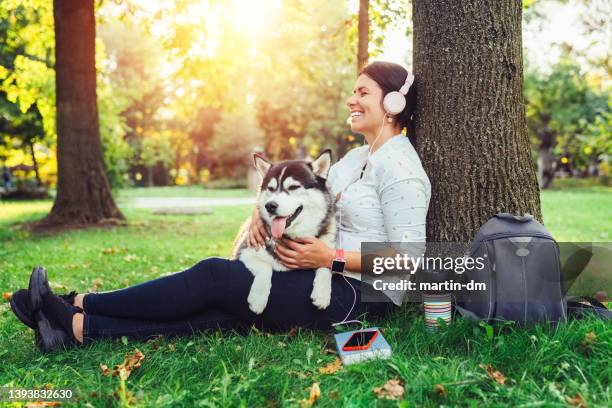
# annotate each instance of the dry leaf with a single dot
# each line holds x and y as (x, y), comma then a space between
(315, 395)
(292, 333)
(331, 368)
(7, 296)
(130, 363)
(576, 401)
(105, 370)
(439, 389)
(589, 339)
(42, 404)
(112, 250)
(495, 375)
(391, 390)
(155, 342)
(95, 285)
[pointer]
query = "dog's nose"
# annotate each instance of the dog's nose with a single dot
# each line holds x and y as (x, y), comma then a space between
(271, 207)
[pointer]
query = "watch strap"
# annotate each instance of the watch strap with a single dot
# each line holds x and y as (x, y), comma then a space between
(339, 254)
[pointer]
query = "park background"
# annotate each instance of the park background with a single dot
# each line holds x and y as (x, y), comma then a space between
(186, 91)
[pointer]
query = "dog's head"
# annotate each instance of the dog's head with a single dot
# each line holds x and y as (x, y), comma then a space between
(293, 198)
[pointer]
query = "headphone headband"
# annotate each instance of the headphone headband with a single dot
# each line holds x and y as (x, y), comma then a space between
(409, 81)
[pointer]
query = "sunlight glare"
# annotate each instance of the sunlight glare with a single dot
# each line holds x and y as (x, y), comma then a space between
(252, 16)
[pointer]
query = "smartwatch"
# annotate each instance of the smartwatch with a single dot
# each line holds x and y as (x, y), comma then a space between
(339, 261)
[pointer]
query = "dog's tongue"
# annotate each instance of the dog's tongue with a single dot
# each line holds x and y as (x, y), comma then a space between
(278, 226)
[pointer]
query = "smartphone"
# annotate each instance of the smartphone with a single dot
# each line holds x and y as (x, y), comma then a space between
(360, 340)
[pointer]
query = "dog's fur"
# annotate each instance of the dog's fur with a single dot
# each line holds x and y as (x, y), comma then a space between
(290, 185)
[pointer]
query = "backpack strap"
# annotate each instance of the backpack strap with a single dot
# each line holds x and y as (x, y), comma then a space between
(578, 309)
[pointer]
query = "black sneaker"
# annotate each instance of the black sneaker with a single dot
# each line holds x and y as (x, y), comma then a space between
(21, 305)
(39, 287)
(50, 336)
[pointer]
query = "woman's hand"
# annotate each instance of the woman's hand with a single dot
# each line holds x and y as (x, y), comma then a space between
(258, 234)
(304, 253)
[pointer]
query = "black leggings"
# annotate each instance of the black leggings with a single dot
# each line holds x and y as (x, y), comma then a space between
(213, 295)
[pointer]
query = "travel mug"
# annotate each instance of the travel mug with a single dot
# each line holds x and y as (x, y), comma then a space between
(436, 303)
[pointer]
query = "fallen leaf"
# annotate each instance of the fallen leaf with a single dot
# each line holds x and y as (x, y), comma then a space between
(130, 363)
(576, 401)
(112, 250)
(155, 342)
(7, 296)
(105, 370)
(95, 285)
(495, 375)
(391, 390)
(292, 333)
(331, 368)
(589, 339)
(315, 395)
(42, 404)
(440, 390)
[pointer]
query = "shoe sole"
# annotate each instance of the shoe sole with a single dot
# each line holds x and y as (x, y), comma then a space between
(36, 286)
(21, 315)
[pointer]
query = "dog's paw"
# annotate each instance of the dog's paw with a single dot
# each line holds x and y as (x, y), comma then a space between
(321, 294)
(257, 302)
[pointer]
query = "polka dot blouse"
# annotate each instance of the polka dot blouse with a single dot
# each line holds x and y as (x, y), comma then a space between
(388, 203)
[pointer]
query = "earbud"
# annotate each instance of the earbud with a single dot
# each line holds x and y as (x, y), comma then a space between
(395, 102)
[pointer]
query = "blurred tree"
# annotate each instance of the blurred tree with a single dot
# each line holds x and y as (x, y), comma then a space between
(470, 119)
(83, 192)
(156, 151)
(560, 106)
(25, 127)
(236, 136)
(364, 35)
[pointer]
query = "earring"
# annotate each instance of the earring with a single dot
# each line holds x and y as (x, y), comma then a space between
(389, 119)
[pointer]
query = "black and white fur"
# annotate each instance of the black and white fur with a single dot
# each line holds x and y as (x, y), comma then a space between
(294, 189)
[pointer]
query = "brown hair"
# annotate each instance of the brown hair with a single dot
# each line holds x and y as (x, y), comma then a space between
(390, 77)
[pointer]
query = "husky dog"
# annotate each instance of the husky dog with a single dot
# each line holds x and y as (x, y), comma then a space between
(293, 202)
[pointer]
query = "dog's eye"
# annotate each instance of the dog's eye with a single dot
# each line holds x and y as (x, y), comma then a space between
(291, 188)
(270, 189)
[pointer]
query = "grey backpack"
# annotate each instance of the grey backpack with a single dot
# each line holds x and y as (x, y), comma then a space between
(523, 276)
(521, 271)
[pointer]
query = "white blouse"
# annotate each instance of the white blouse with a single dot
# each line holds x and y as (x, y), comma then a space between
(388, 204)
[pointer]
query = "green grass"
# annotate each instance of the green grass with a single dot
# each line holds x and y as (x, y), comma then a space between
(542, 366)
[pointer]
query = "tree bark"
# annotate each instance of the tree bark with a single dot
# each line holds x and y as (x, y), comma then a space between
(83, 191)
(470, 119)
(363, 29)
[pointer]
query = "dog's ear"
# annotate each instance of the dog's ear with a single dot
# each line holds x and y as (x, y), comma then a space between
(261, 164)
(321, 164)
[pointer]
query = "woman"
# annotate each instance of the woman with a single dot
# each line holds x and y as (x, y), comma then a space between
(382, 195)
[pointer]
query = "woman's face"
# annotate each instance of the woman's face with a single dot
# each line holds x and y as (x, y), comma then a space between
(366, 106)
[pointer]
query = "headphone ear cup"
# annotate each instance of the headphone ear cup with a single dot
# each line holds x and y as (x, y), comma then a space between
(394, 102)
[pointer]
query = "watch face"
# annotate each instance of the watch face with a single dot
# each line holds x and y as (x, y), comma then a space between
(337, 266)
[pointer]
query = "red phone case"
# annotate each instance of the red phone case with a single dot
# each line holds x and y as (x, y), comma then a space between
(364, 347)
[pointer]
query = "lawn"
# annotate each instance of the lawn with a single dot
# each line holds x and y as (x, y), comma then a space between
(542, 366)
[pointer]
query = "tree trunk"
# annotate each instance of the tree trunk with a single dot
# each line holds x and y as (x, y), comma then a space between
(83, 191)
(34, 163)
(363, 29)
(470, 120)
